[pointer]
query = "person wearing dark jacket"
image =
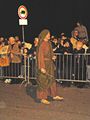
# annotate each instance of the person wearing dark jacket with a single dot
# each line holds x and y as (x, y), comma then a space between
(79, 64)
(66, 72)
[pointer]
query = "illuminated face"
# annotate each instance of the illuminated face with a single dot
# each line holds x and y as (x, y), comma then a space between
(66, 44)
(1, 39)
(55, 41)
(16, 38)
(11, 40)
(75, 33)
(36, 41)
(25, 51)
(61, 42)
(63, 37)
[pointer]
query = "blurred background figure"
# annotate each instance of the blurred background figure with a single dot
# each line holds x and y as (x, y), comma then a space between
(82, 30)
(2, 41)
(74, 38)
(79, 64)
(18, 41)
(15, 57)
(55, 45)
(34, 47)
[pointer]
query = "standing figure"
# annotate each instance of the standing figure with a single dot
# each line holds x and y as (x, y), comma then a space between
(45, 69)
(74, 38)
(82, 30)
(15, 57)
(79, 64)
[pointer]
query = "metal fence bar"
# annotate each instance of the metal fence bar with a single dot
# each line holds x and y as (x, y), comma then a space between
(70, 67)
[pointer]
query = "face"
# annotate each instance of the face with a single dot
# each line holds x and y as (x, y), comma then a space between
(25, 51)
(11, 40)
(47, 37)
(36, 41)
(2, 39)
(63, 37)
(76, 33)
(55, 40)
(16, 38)
(66, 44)
(61, 42)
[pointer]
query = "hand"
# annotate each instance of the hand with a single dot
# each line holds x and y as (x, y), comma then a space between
(43, 70)
(12, 51)
(12, 56)
(34, 53)
(58, 46)
(65, 53)
(54, 58)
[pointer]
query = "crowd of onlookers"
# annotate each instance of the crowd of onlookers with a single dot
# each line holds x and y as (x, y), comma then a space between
(78, 40)
(12, 49)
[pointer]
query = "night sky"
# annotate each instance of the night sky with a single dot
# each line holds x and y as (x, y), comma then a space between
(56, 15)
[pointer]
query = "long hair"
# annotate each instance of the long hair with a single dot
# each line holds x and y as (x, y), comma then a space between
(41, 37)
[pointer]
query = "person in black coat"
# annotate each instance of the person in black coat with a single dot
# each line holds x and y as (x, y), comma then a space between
(79, 64)
(66, 61)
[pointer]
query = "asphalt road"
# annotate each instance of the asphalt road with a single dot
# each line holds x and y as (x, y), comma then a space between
(15, 104)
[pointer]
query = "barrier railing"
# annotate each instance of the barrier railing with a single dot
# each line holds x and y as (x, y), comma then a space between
(73, 67)
(70, 67)
(10, 69)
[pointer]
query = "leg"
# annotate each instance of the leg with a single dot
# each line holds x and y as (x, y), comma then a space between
(42, 95)
(53, 92)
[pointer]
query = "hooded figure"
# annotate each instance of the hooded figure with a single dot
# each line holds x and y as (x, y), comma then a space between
(45, 68)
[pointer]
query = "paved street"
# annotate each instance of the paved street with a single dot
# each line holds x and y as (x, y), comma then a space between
(16, 105)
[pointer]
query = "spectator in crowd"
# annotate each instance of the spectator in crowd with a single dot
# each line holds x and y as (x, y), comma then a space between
(52, 38)
(66, 61)
(79, 64)
(74, 38)
(33, 49)
(63, 37)
(61, 44)
(15, 57)
(55, 45)
(17, 40)
(4, 58)
(67, 47)
(32, 53)
(2, 41)
(88, 62)
(82, 30)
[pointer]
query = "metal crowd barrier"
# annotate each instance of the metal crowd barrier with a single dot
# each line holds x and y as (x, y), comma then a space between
(73, 67)
(70, 67)
(12, 70)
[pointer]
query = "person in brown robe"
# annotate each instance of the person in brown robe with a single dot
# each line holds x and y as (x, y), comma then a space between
(45, 69)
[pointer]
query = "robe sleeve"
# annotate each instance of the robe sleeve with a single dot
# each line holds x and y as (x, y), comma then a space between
(41, 62)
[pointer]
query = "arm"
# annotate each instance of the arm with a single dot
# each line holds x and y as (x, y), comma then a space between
(41, 63)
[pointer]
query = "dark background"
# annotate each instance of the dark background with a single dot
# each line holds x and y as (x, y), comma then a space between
(56, 15)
